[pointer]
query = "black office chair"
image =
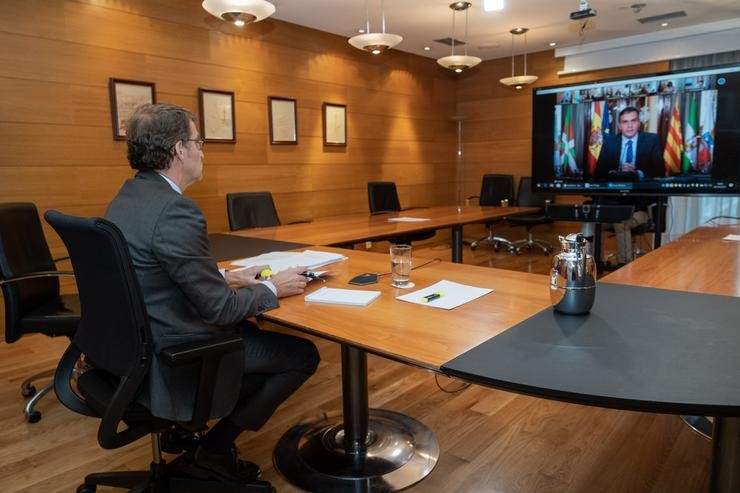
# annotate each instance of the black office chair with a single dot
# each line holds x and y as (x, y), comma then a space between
(494, 189)
(251, 210)
(527, 198)
(30, 286)
(382, 198)
(115, 339)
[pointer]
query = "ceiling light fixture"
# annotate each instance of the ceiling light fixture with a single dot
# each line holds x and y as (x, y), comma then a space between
(552, 43)
(518, 81)
(458, 63)
(239, 12)
(375, 43)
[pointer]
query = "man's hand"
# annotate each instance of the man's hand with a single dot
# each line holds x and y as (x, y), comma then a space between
(289, 282)
(244, 277)
(627, 168)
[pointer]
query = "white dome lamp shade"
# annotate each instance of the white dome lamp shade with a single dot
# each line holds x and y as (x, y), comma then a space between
(239, 12)
(458, 63)
(518, 81)
(375, 43)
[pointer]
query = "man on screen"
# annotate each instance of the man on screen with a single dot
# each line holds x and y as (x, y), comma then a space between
(630, 155)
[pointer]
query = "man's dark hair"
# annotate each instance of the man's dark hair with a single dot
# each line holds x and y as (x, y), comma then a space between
(628, 109)
(152, 132)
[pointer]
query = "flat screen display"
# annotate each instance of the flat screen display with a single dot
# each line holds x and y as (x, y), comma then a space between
(671, 133)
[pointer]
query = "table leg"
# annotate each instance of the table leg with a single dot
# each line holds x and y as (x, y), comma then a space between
(374, 450)
(457, 244)
(725, 455)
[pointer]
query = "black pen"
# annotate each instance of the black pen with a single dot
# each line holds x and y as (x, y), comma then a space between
(311, 275)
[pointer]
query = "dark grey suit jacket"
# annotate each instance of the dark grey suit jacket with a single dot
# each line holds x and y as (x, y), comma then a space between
(648, 155)
(186, 297)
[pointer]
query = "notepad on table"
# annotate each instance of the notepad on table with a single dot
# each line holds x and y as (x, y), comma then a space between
(334, 296)
(454, 295)
(732, 237)
(408, 219)
(279, 261)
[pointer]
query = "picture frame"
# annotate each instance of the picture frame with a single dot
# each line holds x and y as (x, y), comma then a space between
(283, 120)
(217, 116)
(125, 97)
(334, 124)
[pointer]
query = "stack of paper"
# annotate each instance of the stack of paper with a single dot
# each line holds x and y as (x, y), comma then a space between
(408, 219)
(452, 295)
(335, 296)
(279, 261)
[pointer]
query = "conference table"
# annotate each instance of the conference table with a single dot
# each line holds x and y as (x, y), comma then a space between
(654, 341)
(355, 228)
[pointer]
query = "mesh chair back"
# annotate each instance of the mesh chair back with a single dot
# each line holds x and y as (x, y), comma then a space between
(114, 329)
(527, 198)
(382, 196)
(251, 210)
(23, 250)
(495, 188)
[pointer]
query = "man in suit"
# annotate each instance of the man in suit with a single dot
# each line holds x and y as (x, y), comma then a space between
(630, 155)
(187, 298)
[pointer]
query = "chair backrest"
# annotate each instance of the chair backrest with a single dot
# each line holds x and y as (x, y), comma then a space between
(251, 210)
(382, 196)
(495, 188)
(23, 250)
(527, 198)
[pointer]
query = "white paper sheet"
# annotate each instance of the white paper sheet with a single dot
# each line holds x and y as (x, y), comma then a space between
(279, 261)
(408, 219)
(334, 296)
(732, 237)
(453, 295)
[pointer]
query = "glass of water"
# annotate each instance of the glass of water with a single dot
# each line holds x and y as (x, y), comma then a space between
(401, 266)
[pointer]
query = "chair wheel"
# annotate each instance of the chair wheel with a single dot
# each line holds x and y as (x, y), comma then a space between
(28, 391)
(83, 488)
(34, 417)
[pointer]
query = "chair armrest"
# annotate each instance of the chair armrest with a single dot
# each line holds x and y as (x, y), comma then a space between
(208, 354)
(34, 275)
(186, 353)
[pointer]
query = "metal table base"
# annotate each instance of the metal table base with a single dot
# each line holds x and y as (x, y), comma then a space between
(373, 450)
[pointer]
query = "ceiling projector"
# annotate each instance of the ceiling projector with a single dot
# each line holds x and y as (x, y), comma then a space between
(583, 12)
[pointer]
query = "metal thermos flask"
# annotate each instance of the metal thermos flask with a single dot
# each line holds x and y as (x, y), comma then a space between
(573, 276)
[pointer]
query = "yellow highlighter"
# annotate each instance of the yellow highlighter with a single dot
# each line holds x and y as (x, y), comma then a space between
(432, 297)
(265, 274)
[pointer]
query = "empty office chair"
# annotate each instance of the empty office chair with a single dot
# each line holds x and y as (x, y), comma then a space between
(382, 197)
(30, 286)
(527, 198)
(115, 339)
(251, 210)
(494, 189)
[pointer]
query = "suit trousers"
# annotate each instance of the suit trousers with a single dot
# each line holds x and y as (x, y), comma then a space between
(284, 361)
(623, 231)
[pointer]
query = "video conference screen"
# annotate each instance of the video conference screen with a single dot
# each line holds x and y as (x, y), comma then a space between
(672, 133)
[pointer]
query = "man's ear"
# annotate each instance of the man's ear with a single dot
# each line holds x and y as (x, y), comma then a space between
(179, 149)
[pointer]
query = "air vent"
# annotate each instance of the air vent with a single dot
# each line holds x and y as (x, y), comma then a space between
(448, 41)
(662, 17)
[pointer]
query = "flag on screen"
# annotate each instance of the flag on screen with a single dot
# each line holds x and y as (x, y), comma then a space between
(568, 143)
(707, 119)
(596, 137)
(673, 143)
(556, 141)
(688, 163)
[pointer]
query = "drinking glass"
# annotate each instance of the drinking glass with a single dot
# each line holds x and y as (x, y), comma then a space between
(401, 266)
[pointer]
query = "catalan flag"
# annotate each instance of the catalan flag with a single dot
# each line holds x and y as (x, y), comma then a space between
(674, 143)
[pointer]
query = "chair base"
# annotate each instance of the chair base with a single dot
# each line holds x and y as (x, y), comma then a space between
(496, 242)
(168, 478)
(29, 390)
(530, 242)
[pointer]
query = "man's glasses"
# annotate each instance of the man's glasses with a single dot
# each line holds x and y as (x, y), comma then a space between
(198, 143)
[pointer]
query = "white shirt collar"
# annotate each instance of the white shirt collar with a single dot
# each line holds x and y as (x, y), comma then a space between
(172, 183)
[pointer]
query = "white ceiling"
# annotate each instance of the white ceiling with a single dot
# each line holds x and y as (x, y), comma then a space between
(422, 21)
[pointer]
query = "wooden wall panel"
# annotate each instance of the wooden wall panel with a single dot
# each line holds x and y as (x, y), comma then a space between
(55, 120)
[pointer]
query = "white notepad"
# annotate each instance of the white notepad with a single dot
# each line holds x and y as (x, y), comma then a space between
(408, 219)
(355, 297)
(453, 295)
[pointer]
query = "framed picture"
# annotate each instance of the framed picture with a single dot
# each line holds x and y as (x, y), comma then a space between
(217, 116)
(125, 97)
(283, 120)
(334, 123)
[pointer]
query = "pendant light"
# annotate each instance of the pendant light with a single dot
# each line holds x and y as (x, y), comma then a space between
(375, 43)
(458, 63)
(518, 81)
(239, 12)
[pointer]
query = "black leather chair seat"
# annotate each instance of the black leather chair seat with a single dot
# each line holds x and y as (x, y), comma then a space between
(57, 317)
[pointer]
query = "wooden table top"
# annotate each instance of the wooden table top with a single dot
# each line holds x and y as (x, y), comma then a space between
(355, 228)
(411, 333)
(700, 262)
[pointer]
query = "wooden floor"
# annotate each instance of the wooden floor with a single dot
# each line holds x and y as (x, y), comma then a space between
(490, 441)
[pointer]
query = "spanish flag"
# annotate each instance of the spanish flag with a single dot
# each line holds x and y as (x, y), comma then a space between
(596, 137)
(674, 143)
